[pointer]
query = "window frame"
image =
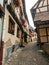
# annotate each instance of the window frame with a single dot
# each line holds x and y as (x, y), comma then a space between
(11, 26)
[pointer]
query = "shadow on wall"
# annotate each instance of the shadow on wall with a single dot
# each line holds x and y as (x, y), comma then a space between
(10, 49)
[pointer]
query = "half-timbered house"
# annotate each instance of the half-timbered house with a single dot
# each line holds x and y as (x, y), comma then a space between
(40, 14)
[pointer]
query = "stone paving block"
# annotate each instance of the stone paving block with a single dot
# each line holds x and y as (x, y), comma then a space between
(29, 55)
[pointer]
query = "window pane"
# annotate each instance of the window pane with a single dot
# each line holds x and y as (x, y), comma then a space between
(42, 32)
(48, 38)
(11, 27)
(43, 39)
(48, 30)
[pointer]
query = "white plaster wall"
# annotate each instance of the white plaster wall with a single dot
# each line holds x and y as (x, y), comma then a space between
(6, 35)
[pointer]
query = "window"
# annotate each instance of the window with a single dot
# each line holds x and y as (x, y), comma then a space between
(21, 12)
(11, 27)
(18, 31)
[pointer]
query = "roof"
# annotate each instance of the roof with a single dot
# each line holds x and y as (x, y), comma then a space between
(41, 6)
(42, 10)
(42, 17)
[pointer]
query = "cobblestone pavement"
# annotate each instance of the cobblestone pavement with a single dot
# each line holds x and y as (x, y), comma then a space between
(29, 55)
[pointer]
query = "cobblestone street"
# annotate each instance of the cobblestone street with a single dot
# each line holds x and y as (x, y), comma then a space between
(30, 55)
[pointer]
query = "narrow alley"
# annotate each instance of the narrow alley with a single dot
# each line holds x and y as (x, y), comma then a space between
(30, 55)
(24, 32)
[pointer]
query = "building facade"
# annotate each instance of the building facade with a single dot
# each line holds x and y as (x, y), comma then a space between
(13, 27)
(40, 13)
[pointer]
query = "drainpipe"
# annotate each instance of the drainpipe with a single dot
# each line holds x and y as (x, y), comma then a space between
(1, 43)
(1, 31)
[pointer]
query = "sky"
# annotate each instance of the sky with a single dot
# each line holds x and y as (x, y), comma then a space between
(1, 1)
(29, 5)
